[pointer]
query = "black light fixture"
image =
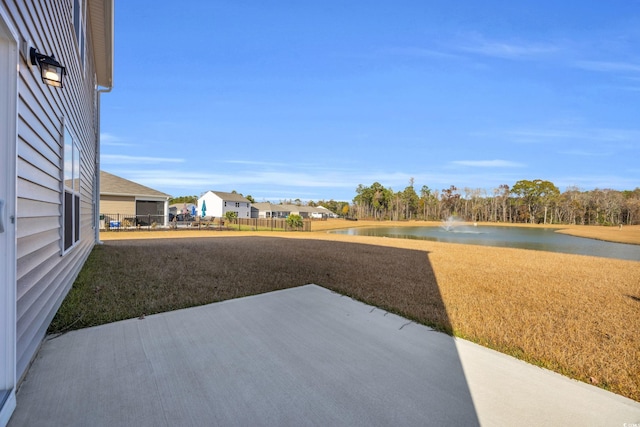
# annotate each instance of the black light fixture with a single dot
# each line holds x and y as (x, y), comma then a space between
(50, 69)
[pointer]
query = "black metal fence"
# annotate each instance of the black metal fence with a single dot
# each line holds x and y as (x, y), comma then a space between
(270, 224)
(123, 222)
(130, 222)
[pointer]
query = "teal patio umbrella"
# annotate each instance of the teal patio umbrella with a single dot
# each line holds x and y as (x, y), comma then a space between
(204, 209)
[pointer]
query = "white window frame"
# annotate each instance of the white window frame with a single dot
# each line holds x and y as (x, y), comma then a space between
(70, 194)
(9, 61)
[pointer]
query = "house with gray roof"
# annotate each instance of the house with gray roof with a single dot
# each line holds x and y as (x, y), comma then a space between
(271, 210)
(217, 203)
(121, 198)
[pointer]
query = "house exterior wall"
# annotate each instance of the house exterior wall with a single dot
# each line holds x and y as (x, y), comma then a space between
(9, 55)
(45, 271)
(217, 207)
(213, 204)
(243, 209)
(269, 210)
(125, 205)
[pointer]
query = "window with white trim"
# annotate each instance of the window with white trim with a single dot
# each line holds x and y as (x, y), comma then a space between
(71, 193)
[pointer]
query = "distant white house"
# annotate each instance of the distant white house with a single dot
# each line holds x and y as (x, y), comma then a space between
(218, 203)
(270, 210)
(326, 213)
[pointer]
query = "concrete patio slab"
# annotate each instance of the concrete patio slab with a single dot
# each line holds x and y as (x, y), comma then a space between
(302, 356)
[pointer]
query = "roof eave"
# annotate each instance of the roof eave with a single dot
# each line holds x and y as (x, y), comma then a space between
(138, 195)
(102, 34)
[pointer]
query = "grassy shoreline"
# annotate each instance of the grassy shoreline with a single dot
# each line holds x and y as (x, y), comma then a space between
(576, 315)
(626, 234)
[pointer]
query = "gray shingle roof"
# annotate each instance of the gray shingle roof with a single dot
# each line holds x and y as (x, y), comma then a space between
(265, 206)
(230, 197)
(116, 186)
(271, 207)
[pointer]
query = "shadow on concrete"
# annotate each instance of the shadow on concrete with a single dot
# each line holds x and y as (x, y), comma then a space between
(301, 356)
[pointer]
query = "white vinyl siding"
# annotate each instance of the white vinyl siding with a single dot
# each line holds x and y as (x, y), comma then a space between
(123, 205)
(9, 42)
(79, 18)
(219, 203)
(43, 275)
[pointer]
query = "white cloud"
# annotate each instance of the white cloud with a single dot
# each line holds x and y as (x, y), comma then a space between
(506, 49)
(420, 52)
(203, 180)
(628, 88)
(110, 140)
(460, 47)
(583, 134)
(255, 163)
(488, 163)
(125, 159)
(107, 137)
(608, 66)
(597, 181)
(585, 153)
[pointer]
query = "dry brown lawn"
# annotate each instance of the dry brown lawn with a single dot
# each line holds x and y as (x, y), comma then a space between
(576, 315)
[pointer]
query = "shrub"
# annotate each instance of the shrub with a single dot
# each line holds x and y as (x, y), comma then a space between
(230, 216)
(295, 221)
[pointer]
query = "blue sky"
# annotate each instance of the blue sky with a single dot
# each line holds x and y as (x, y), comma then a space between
(307, 99)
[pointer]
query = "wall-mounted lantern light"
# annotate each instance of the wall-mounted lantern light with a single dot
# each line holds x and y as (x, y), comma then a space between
(50, 69)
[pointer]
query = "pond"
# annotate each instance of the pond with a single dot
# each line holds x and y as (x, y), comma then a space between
(542, 239)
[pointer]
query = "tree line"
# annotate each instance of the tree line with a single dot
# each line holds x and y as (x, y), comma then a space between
(536, 201)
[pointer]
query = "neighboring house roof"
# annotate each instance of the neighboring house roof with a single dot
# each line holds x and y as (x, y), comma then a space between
(304, 208)
(230, 197)
(115, 186)
(266, 206)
